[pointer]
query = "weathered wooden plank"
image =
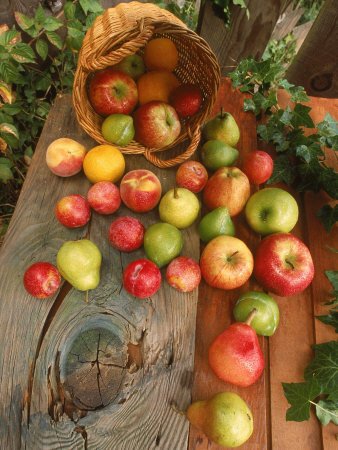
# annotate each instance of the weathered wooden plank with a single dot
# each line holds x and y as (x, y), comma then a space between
(316, 64)
(214, 312)
(105, 372)
(286, 23)
(246, 36)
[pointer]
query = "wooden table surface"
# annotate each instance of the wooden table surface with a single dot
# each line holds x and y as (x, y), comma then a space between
(103, 374)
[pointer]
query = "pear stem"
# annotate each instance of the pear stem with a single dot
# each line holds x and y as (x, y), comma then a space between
(179, 411)
(86, 298)
(222, 112)
(175, 193)
(251, 316)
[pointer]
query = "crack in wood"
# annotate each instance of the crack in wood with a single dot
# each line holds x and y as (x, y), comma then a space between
(65, 288)
(82, 430)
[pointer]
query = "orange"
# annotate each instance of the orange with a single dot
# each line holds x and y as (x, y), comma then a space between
(156, 85)
(160, 54)
(104, 163)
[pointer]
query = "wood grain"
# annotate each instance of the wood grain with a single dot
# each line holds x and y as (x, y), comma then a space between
(315, 66)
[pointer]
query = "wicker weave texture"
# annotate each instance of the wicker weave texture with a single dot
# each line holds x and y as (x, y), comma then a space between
(125, 30)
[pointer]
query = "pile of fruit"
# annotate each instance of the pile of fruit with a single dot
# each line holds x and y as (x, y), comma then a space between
(141, 98)
(282, 264)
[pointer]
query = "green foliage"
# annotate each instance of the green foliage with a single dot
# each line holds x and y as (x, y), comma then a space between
(301, 160)
(187, 13)
(311, 10)
(281, 51)
(332, 317)
(222, 9)
(30, 76)
(321, 379)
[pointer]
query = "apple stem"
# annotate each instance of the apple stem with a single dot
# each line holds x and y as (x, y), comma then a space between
(175, 193)
(86, 298)
(290, 264)
(179, 411)
(251, 316)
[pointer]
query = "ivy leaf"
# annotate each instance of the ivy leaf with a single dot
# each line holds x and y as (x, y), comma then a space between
(328, 216)
(287, 116)
(330, 319)
(299, 396)
(332, 276)
(23, 53)
(41, 48)
(54, 39)
(309, 152)
(282, 171)
(298, 94)
(327, 411)
(5, 170)
(242, 4)
(328, 127)
(329, 181)
(301, 116)
(324, 366)
(285, 84)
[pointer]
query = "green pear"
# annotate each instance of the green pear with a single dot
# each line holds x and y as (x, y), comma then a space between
(216, 223)
(222, 127)
(179, 207)
(216, 154)
(225, 419)
(79, 263)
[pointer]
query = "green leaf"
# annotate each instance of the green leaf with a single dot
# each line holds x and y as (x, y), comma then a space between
(328, 127)
(309, 152)
(249, 105)
(324, 367)
(5, 170)
(332, 276)
(9, 36)
(52, 24)
(329, 181)
(9, 128)
(301, 117)
(8, 72)
(23, 21)
(282, 171)
(327, 411)
(330, 319)
(41, 48)
(90, 6)
(12, 108)
(43, 109)
(40, 16)
(328, 216)
(23, 53)
(298, 94)
(54, 39)
(43, 82)
(299, 396)
(69, 10)
(287, 116)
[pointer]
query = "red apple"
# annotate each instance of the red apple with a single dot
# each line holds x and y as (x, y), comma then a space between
(104, 197)
(140, 190)
(192, 175)
(112, 91)
(156, 124)
(183, 274)
(64, 157)
(186, 99)
(226, 262)
(73, 211)
(228, 186)
(141, 278)
(126, 233)
(258, 166)
(41, 279)
(283, 264)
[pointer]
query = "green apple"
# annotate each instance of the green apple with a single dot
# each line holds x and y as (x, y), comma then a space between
(271, 210)
(266, 319)
(131, 65)
(79, 263)
(222, 127)
(216, 223)
(118, 129)
(216, 154)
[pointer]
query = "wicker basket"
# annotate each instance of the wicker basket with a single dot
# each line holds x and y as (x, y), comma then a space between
(125, 30)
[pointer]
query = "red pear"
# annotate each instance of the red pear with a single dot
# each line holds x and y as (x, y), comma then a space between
(235, 355)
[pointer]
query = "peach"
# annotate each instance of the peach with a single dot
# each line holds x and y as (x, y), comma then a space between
(64, 157)
(140, 190)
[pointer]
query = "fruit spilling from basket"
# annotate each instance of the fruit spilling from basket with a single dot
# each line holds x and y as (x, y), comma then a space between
(142, 98)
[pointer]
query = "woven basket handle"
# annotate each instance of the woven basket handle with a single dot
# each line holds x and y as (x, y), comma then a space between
(127, 48)
(195, 139)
